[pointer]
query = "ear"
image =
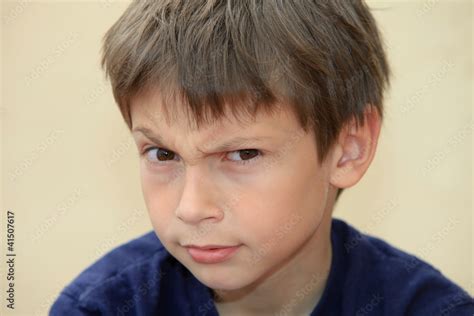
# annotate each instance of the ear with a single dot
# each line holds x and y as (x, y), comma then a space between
(355, 150)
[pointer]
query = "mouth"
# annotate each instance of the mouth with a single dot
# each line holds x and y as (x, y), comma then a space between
(207, 247)
(211, 253)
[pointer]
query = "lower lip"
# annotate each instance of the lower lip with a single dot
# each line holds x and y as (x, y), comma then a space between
(212, 255)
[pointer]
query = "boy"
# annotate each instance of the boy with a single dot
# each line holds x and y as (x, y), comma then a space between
(250, 118)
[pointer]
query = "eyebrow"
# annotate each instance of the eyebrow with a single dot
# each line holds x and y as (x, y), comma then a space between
(226, 145)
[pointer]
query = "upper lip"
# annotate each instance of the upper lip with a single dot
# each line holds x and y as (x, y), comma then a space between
(209, 246)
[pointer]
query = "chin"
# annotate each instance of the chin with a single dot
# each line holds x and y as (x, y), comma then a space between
(221, 279)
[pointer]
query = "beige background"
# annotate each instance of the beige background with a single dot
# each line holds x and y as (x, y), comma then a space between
(70, 169)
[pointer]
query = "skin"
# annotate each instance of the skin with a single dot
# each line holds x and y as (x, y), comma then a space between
(277, 206)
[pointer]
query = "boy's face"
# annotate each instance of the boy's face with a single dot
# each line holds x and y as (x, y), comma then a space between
(269, 206)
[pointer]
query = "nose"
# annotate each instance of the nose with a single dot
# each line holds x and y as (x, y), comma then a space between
(197, 203)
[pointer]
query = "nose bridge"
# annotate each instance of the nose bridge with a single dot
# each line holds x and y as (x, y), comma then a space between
(196, 201)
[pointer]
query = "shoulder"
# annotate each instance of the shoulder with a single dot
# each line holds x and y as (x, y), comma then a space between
(402, 282)
(133, 267)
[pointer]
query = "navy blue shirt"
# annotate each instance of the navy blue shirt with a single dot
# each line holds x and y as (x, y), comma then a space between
(367, 277)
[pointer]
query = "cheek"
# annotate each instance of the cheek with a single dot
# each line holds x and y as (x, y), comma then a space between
(283, 209)
(159, 202)
(281, 212)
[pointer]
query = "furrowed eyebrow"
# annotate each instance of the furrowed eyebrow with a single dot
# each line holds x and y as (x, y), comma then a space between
(150, 135)
(229, 144)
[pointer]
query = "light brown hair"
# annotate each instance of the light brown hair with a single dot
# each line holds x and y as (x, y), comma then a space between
(325, 59)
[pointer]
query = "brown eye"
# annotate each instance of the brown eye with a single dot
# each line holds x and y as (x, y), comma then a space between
(244, 156)
(159, 154)
(163, 155)
(248, 153)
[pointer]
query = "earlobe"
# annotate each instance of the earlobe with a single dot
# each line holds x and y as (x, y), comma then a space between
(355, 150)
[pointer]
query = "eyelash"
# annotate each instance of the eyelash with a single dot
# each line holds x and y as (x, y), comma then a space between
(242, 162)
